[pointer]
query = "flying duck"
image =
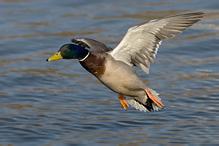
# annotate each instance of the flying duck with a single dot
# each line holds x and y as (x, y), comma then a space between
(114, 67)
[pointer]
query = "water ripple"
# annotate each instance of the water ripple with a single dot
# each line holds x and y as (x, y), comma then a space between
(59, 102)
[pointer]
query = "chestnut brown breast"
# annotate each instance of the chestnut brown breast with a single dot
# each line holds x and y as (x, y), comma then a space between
(94, 64)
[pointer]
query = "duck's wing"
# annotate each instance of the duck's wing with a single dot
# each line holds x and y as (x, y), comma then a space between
(92, 44)
(140, 44)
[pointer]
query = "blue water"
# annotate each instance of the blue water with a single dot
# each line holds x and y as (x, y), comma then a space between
(61, 103)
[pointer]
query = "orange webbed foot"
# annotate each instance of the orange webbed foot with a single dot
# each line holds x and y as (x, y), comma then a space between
(154, 99)
(122, 101)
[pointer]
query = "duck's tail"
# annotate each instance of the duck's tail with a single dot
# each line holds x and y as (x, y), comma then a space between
(153, 101)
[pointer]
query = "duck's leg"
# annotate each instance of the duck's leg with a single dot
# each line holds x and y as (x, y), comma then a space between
(154, 99)
(122, 101)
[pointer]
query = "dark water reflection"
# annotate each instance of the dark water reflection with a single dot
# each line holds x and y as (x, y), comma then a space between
(59, 102)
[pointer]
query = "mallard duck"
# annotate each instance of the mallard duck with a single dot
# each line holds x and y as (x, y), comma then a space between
(114, 68)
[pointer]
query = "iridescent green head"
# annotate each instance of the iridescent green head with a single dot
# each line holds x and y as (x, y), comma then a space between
(70, 51)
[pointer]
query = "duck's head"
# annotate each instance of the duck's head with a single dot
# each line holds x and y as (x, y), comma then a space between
(69, 51)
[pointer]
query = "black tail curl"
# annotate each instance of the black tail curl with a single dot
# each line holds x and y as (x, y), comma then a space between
(147, 105)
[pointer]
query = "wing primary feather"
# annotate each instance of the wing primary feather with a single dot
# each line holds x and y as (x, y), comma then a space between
(140, 44)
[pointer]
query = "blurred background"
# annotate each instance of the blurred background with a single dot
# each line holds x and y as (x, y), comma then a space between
(59, 102)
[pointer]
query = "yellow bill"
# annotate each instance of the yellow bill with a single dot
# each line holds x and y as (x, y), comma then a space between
(57, 56)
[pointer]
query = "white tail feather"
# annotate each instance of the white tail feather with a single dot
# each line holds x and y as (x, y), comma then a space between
(135, 104)
(141, 107)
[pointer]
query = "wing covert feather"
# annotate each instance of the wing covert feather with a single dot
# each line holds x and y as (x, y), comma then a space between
(96, 46)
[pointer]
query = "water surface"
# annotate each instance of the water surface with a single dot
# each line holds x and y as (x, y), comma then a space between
(59, 102)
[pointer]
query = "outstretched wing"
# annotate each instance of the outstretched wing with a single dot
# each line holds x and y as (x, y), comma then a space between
(92, 44)
(140, 44)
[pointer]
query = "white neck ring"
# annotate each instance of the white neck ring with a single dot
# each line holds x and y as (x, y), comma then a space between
(85, 57)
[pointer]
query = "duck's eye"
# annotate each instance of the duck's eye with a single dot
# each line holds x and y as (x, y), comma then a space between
(67, 50)
(57, 54)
